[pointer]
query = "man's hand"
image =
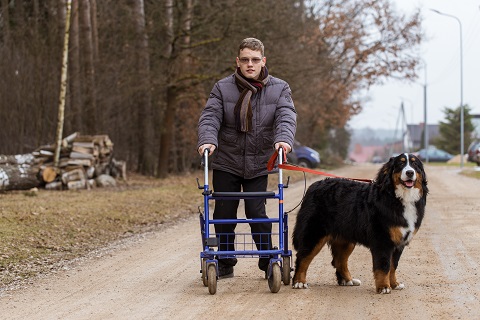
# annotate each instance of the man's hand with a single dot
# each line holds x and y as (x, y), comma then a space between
(284, 145)
(202, 148)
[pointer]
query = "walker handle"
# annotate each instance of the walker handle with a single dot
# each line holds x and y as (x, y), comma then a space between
(206, 152)
(280, 161)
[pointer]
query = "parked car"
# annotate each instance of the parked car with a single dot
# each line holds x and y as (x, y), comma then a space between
(434, 155)
(473, 152)
(303, 156)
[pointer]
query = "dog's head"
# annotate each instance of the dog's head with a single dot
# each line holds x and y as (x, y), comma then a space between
(403, 173)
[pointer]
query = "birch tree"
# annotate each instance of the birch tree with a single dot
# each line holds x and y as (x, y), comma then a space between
(63, 87)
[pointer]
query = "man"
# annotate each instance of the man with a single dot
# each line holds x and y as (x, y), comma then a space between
(248, 115)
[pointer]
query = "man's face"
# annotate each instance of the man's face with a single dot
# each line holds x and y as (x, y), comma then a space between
(250, 63)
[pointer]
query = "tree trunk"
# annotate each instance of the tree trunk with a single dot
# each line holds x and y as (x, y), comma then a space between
(143, 92)
(162, 166)
(167, 133)
(19, 159)
(63, 87)
(90, 107)
(169, 27)
(18, 177)
(36, 16)
(62, 13)
(93, 16)
(74, 65)
(184, 66)
(6, 20)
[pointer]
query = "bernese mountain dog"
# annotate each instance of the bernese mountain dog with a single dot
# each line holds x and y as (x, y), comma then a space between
(382, 215)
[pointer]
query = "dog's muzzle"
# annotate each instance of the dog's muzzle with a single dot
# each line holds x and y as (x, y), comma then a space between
(408, 178)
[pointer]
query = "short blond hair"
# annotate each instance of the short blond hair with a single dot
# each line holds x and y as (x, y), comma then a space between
(252, 44)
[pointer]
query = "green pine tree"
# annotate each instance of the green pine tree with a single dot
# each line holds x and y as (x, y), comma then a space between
(449, 139)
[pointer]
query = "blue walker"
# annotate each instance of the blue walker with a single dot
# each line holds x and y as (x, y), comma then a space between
(280, 256)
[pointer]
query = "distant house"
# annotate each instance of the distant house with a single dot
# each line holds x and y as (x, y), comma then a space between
(416, 134)
(376, 153)
(367, 153)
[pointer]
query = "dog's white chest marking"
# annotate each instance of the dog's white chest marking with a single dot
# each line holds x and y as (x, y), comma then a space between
(410, 214)
(408, 196)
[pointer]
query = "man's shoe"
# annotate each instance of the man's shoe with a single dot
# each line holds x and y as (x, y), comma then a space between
(225, 272)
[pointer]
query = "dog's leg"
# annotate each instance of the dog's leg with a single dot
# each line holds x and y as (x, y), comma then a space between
(341, 251)
(381, 272)
(393, 267)
(382, 281)
(304, 258)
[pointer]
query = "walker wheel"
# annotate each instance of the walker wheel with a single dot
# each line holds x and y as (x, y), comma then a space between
(275, 278)
(204, 272)
(212, 278)
(286, 271)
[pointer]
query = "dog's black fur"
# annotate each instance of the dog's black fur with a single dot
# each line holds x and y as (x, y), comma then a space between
(382, 216)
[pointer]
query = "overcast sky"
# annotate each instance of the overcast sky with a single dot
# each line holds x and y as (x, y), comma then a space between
(441, 53)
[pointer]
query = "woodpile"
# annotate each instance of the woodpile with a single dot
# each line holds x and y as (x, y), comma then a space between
(83, 159)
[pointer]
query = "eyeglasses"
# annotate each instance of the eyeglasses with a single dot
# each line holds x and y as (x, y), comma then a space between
(247, 60)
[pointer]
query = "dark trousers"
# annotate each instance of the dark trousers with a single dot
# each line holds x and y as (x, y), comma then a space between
(254, 208)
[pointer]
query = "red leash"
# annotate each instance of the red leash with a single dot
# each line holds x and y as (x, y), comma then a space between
(286, 166)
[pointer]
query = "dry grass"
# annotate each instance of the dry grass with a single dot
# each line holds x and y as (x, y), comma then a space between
(42, 228)
(472, 173)
(39, 230)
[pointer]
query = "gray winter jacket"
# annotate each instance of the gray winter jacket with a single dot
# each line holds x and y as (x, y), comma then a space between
(246, 153)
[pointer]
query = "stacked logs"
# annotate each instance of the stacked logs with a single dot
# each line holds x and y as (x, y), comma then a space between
(85, 161)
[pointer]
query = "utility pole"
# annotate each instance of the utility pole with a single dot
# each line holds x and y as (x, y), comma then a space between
(462, 124)
(425, 126)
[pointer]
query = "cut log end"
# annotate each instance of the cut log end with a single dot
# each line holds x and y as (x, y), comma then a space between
(49, 174)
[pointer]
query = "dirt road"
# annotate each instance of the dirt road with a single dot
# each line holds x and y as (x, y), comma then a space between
(157, 276)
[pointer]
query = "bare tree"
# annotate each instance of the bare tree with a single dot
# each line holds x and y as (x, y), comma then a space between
(358, 43)
(170, 107)
(5, 22)
(63, 87)
(178, 53)
(93, 16)
(75, 101)
(90, 100)
(143, 91)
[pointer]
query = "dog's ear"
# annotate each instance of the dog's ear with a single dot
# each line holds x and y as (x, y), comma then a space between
(424, 178)
(384, 175)
(424, 184)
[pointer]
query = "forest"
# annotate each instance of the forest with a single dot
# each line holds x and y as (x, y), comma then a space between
(140, 71)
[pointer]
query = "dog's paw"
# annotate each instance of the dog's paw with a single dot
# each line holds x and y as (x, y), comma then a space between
(384, 290)
(400, 286)
(353, 282)
(300, 285)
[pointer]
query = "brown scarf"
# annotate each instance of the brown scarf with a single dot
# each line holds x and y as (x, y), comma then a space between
(247, 87)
